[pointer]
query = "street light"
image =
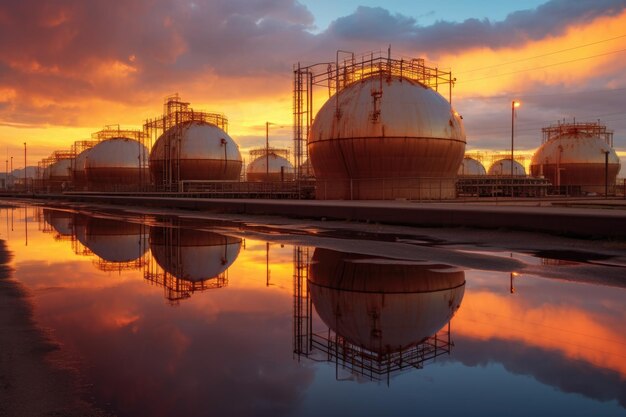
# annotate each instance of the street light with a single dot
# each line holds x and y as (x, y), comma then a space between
(25, 183)
(267, 151)
(514, 104)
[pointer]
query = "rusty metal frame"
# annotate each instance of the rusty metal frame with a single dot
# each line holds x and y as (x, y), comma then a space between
(333, 77)
(176, 113)
(575, 128)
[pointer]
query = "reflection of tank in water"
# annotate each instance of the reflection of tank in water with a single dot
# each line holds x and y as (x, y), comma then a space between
(190, 260)
(60, 222)
(117, 244)
(382, 309)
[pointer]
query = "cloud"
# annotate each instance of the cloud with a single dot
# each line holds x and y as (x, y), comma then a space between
(77, 63)
(549, 19)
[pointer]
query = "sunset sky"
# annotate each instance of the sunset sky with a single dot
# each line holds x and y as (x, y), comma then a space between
(69, 67)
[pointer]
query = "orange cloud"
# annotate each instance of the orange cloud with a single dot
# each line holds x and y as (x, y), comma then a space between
(577, 334)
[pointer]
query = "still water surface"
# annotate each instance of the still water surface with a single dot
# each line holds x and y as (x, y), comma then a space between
(164, 319)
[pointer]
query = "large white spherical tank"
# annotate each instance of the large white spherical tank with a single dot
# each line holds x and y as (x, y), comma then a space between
(197, 151)
(383, 305)
(503, 167)
(391, 133)
(79, 177)
(270, 168)
(116, 161)
(471, 167)
(60, 170)
(577, 159)
(193, 255)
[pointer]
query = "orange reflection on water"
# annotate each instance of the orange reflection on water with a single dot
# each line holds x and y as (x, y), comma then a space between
(575, 333)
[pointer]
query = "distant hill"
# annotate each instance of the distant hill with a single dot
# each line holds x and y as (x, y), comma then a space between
(31, 172)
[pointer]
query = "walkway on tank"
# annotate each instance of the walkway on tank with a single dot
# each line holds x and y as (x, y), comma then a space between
(526, 214)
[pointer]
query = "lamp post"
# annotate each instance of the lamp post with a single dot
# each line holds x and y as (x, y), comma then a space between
(267, 151)
(606, 174)
(514, 104)
(25, 183)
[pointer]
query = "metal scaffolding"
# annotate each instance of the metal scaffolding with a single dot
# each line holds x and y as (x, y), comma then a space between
(324, 345)
(577, 128)
(177, 114)
(333, 77)
(177, 289)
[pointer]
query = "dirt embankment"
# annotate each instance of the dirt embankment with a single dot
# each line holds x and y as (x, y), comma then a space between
(30, 384)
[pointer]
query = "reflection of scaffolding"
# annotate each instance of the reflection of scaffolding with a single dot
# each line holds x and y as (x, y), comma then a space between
(332, 77)
(176, 115)
(111, 266)
(302, 306)
(177, 289)
(575, 129)
(325, 345)
(78, 248)
(379, 366)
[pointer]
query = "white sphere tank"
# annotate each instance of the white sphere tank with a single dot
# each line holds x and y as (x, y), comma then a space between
(79, 177)
(471, 167)
(386, 138)
(197, 151)
(270, 167)
(502, 167)
(383, 305)
(577, 159)
(116, 162)
(60, 170)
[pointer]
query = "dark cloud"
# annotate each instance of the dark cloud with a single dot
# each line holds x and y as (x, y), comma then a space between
(549, 19)
(546, 366)
(55, 55)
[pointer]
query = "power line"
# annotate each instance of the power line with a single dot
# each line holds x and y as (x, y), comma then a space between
(543, 66)
(542, 55)
(521, 95)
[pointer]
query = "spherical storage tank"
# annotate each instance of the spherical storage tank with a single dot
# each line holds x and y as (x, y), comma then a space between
(388, 137)
(503, 167)
(59, 170)
(270, 167)
(195, 151)
(576, 157)
(116, 162)
(471, 167)
(79, 177)
(383, 305)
